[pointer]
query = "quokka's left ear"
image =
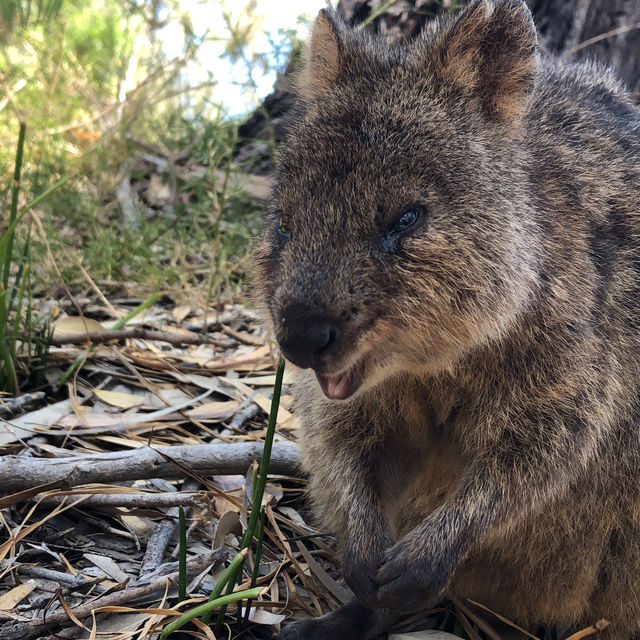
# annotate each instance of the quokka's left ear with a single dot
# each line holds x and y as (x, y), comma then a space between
(326, 56)
(490, 50)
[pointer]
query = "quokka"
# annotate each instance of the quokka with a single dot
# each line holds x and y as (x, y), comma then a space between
(451, 259)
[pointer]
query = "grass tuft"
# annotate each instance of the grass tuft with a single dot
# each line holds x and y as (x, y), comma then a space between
(258, 494)
(25, 339)
(255, 528)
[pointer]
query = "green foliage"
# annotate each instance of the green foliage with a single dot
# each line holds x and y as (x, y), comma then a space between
(21, 13)
(255, 516)
(92, 81)
(222, 601)
(241, 28)
(93, 85)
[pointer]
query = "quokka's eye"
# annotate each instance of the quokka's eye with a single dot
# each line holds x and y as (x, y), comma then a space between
(282, 228)
(409, 218)
(405, 221)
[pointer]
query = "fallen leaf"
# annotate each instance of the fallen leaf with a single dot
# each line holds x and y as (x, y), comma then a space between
(262, 616)
(180, 312)
(91, 419)
(76, 324)
(118, 623)
(30, 423)
(10, 599)
(229, 523)
(125, 443)
(119, 399)
(213, 410)
(107, 565)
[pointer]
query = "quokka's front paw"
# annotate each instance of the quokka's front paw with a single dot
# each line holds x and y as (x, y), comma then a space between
(410, 578)
(361, 561)
(361, 577)
(302, 630)
(352, 622)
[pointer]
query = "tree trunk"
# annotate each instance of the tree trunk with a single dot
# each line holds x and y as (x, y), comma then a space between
(604, 30)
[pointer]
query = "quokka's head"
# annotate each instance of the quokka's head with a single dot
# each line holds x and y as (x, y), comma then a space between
(400, 235)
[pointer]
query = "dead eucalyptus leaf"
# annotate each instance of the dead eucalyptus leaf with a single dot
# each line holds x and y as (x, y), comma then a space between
(76, 324)
(119, 399)
(10, 599)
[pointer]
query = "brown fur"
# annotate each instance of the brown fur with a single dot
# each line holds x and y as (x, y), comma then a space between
(493, 448)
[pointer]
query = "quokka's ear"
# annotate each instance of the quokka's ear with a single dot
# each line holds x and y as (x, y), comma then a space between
(491, 50)
(325, 56)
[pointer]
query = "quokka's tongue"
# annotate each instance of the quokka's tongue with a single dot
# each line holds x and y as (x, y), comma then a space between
(335, 387)
(342, 385)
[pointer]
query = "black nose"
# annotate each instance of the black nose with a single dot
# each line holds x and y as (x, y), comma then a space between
(306, 338)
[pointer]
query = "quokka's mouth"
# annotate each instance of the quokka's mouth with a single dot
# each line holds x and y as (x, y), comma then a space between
(340, 386)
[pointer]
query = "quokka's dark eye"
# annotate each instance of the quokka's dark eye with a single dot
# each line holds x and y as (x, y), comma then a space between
(282, 228)
(406, 220)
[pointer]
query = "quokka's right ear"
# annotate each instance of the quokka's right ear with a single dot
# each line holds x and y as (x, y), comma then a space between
(325, 56)
(490, 52)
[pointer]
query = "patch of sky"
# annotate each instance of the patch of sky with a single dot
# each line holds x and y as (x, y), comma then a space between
(241, 45)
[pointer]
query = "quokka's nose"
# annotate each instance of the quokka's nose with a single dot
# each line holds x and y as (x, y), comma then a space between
(306, 338)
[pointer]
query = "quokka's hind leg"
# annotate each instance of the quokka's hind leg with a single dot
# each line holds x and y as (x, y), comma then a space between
(354, 621)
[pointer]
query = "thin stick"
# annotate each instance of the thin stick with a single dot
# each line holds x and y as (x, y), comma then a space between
(602, 36)
(182, 555)
(12, 406)
(596, 628)
(118, 325)
(135, 500)
(139, 333)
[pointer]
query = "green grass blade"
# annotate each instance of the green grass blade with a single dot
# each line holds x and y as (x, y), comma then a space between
(13, 213)
(139, 309)
(16, 324)
(23, 262)
(257, 558)
(8, 378)
(266, 457)
(23, 212)
(182, 555)
(207, 607)
(230, 573)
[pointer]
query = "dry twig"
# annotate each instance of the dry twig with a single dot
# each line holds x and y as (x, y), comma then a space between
(135, 332)
(13, 406)
(18, 472)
